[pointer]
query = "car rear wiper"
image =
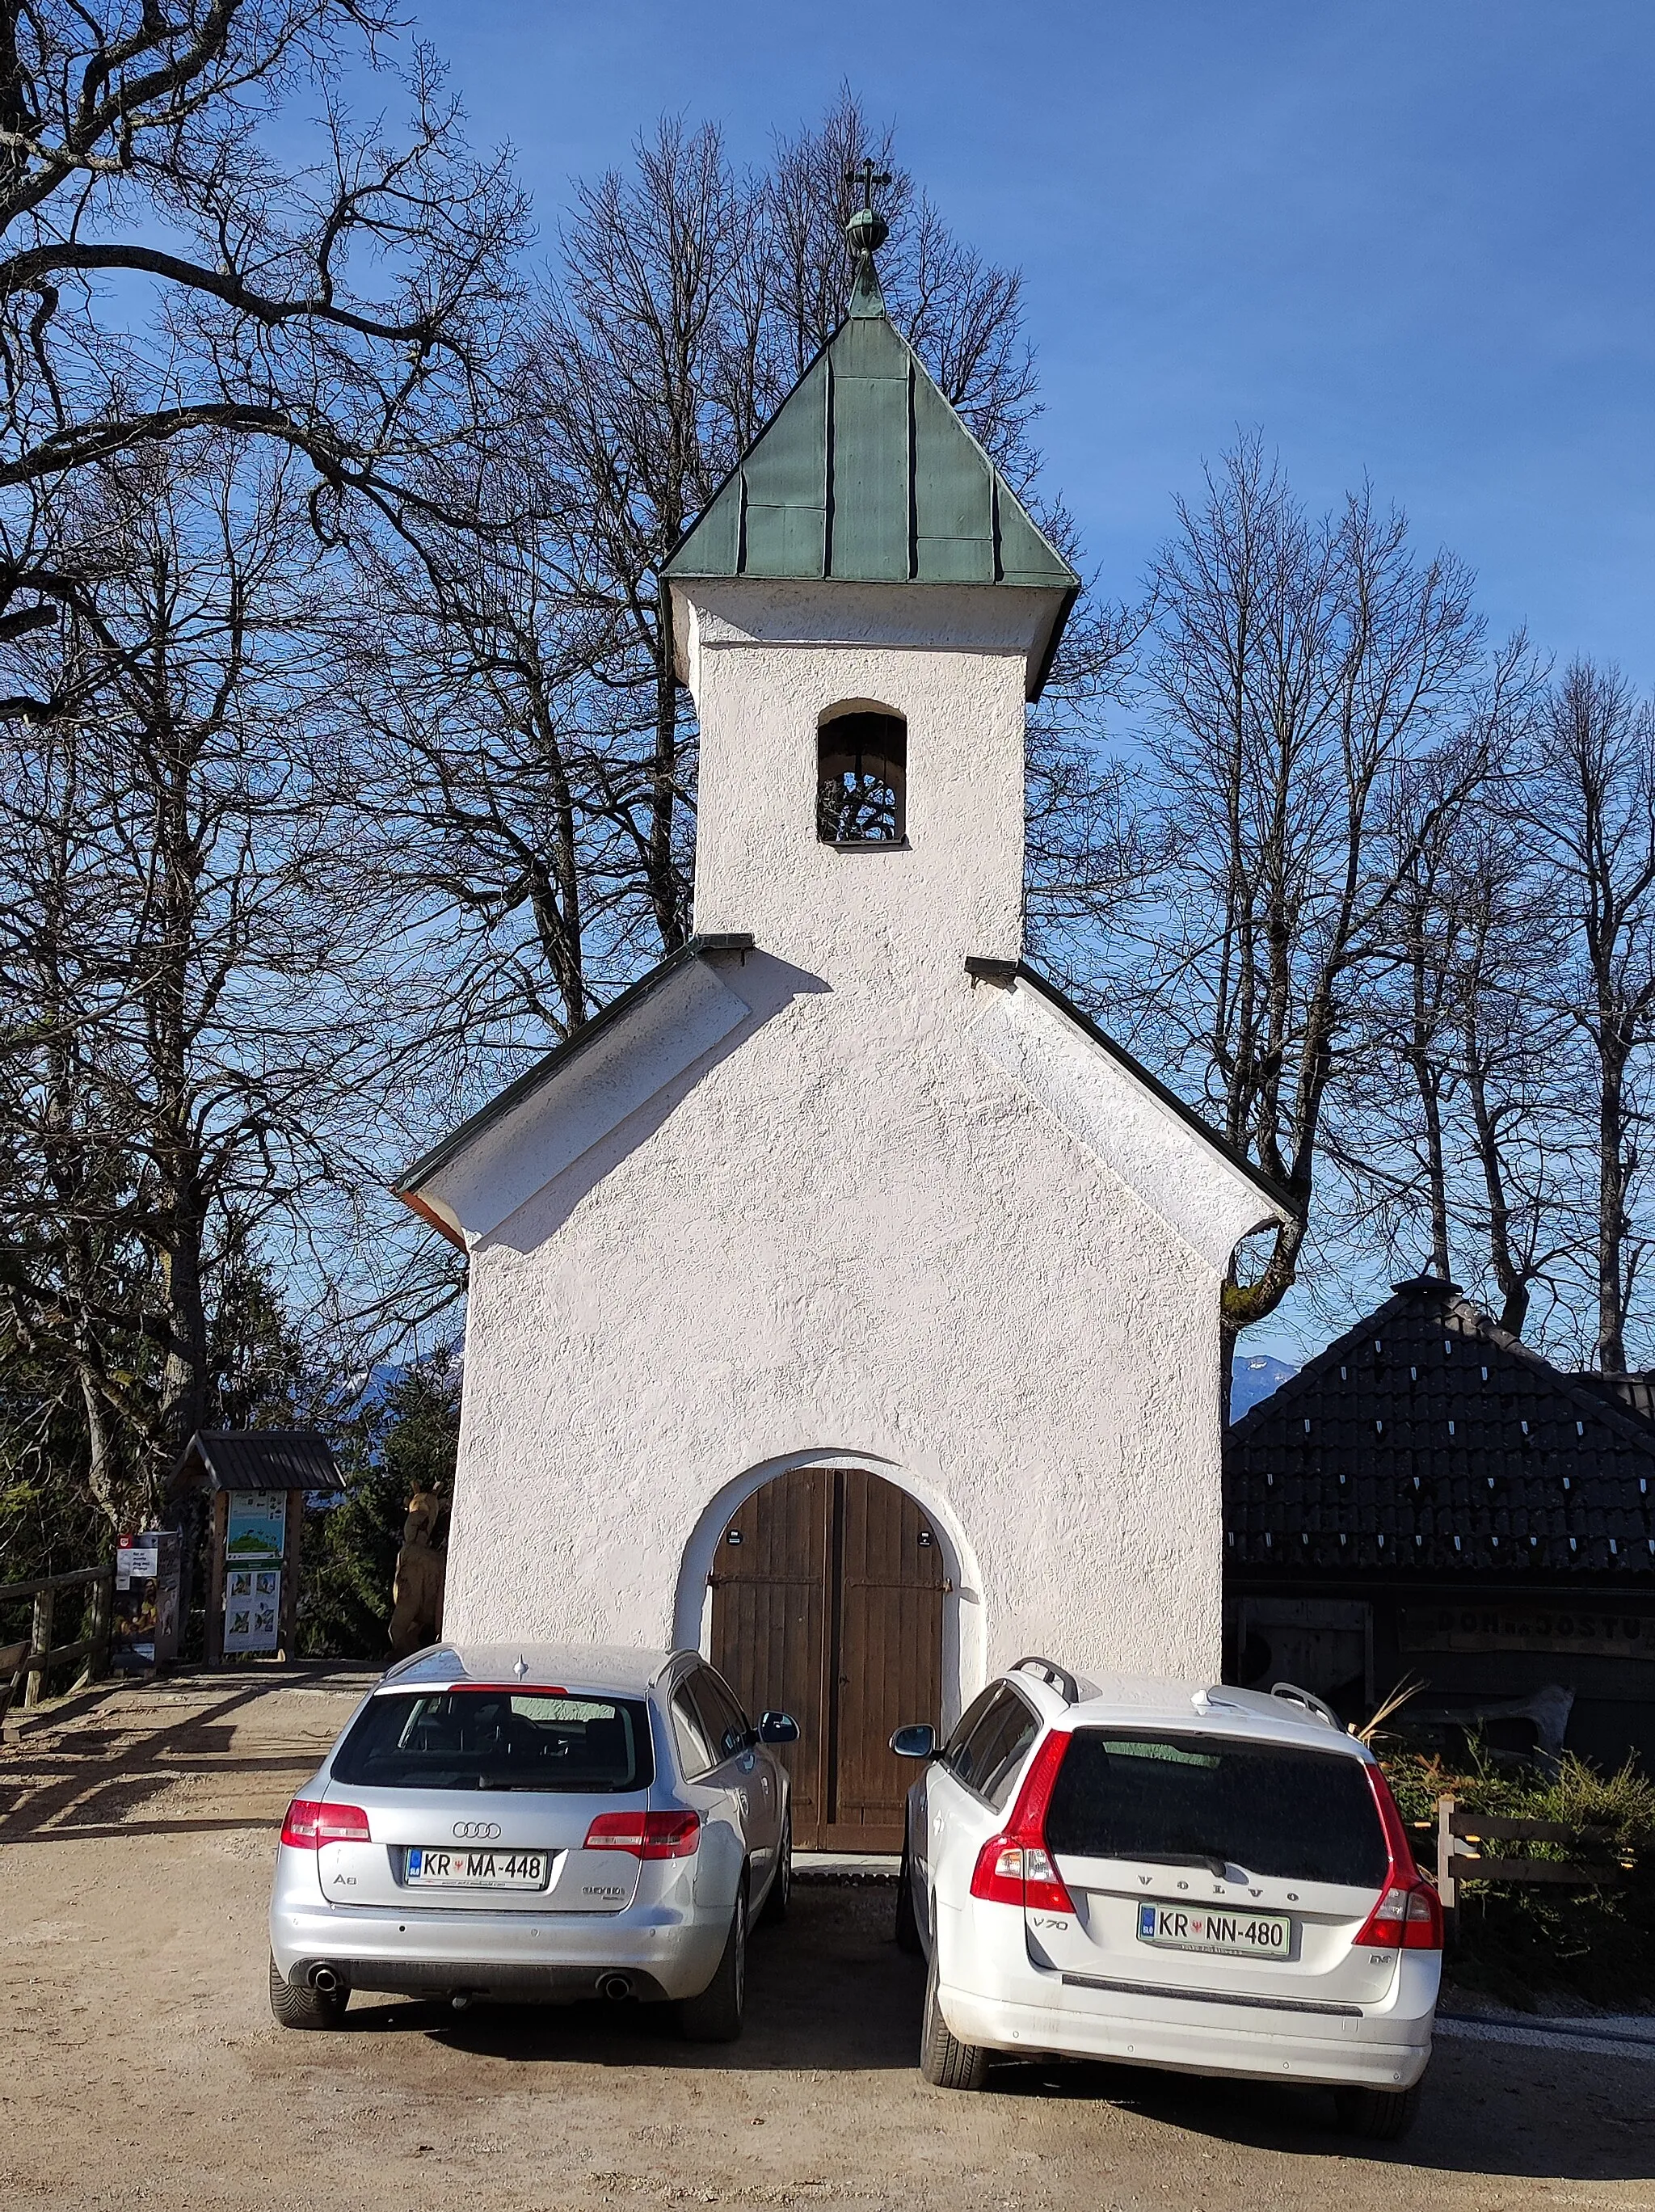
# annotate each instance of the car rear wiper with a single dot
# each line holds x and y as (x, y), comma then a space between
(1213, 1861)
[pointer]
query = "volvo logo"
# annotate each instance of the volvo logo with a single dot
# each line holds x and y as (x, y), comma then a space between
(476, 1831)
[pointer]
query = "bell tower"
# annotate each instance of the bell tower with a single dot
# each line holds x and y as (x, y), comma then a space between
(862, 612)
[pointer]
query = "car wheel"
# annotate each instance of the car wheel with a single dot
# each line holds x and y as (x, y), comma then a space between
(715, 2016)
(781, 1885)
(944, 2061)
(908, 1928)
(1379, 2115)
(303, 2008)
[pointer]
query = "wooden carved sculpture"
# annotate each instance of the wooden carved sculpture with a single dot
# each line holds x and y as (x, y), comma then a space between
(416, 1594)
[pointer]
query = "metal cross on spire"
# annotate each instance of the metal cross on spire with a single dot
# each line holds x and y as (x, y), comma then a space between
(864, 233)
(871, 180)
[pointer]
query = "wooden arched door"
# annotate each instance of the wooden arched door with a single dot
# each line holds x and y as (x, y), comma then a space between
(827, 1592)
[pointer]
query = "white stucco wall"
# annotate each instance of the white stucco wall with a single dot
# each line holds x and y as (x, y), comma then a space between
(884, 1215)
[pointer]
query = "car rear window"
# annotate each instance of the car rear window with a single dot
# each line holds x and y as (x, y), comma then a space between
(487, 1739)
(1305, 1816)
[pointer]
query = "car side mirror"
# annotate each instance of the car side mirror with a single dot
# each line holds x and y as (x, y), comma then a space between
(778, 1728)
(918, 1741)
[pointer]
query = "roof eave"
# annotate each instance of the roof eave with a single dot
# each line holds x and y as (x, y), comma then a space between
(409, 1185)
(1280, 1200)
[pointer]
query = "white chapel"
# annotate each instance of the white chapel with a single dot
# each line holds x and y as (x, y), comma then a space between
(842, 1301)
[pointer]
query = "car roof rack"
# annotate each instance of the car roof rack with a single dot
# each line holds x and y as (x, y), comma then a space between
(1059, 1678)
(1291, 1695)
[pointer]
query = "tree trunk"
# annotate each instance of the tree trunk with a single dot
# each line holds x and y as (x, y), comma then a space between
(1428, 1080)
(1228, 1337)
(175, 1145)
(1509, 1278)
(669, 917)
(103, 1471)
(1612, 1225)
(183, 1380)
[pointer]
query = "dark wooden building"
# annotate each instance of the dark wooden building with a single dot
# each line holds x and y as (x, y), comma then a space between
(1431, 1498)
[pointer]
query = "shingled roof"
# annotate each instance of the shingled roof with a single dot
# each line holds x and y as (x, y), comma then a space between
(256, 1459)
(1428, 1439)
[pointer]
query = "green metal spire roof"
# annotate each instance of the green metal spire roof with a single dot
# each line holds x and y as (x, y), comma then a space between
(866, 474)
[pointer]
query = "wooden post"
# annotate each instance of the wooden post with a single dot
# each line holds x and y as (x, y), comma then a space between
(217, 1528)
(292, 1534)
(1447, 1889)
(96, 1662)
(34, 1683)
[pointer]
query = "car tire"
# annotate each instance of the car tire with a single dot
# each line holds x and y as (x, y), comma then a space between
(945, 2061)
(780, 1895)
(908, 1928)
(715, 2016)
(302, 2008)
(1377, 2115)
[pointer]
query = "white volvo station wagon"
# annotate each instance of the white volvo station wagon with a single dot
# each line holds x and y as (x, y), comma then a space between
(535, 1823)
(1212, 1880)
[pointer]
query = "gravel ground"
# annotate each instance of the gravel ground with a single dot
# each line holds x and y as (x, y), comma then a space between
(141, 2067)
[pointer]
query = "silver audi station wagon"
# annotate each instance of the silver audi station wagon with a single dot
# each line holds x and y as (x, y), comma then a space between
(530, 1823)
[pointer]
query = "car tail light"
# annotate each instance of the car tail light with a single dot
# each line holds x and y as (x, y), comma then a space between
(1408, 1915)
(310, 1822)
(1014, 1866)
(646, 1835)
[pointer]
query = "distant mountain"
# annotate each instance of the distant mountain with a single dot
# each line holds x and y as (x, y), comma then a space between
(1253, 1378)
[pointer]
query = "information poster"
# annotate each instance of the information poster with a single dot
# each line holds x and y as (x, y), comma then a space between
(257, 1527)
(137, 1558)
(252, 1609)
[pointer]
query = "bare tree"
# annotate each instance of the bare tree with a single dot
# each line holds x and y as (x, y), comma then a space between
(634, 375)
(1299, 665)
(1452, 1125)
(180, 1035)
(1519, 1098)
(1589, 806)
(164, 270)
(1085, 848)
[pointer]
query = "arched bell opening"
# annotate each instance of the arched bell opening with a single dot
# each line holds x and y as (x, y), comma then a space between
(862, 776)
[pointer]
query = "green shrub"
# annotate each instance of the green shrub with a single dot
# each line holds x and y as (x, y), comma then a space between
(1522, 1944)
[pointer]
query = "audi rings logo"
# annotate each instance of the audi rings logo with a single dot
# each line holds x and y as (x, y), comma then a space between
(476, 1831)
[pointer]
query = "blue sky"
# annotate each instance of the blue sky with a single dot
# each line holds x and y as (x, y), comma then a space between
(1413, 241)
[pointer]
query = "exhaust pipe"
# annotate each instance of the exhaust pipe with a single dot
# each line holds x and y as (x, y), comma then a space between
(325, 1979)
(614, 1987)
(460, 2001)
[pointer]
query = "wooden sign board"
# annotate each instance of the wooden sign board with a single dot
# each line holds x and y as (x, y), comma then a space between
(253, 1608)
(1601, 1631)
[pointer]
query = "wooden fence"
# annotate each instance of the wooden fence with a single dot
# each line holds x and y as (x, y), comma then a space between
(1463, 1856)
(40, 1654)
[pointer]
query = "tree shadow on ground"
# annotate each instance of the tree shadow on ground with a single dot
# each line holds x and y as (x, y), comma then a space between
(91, 1782)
